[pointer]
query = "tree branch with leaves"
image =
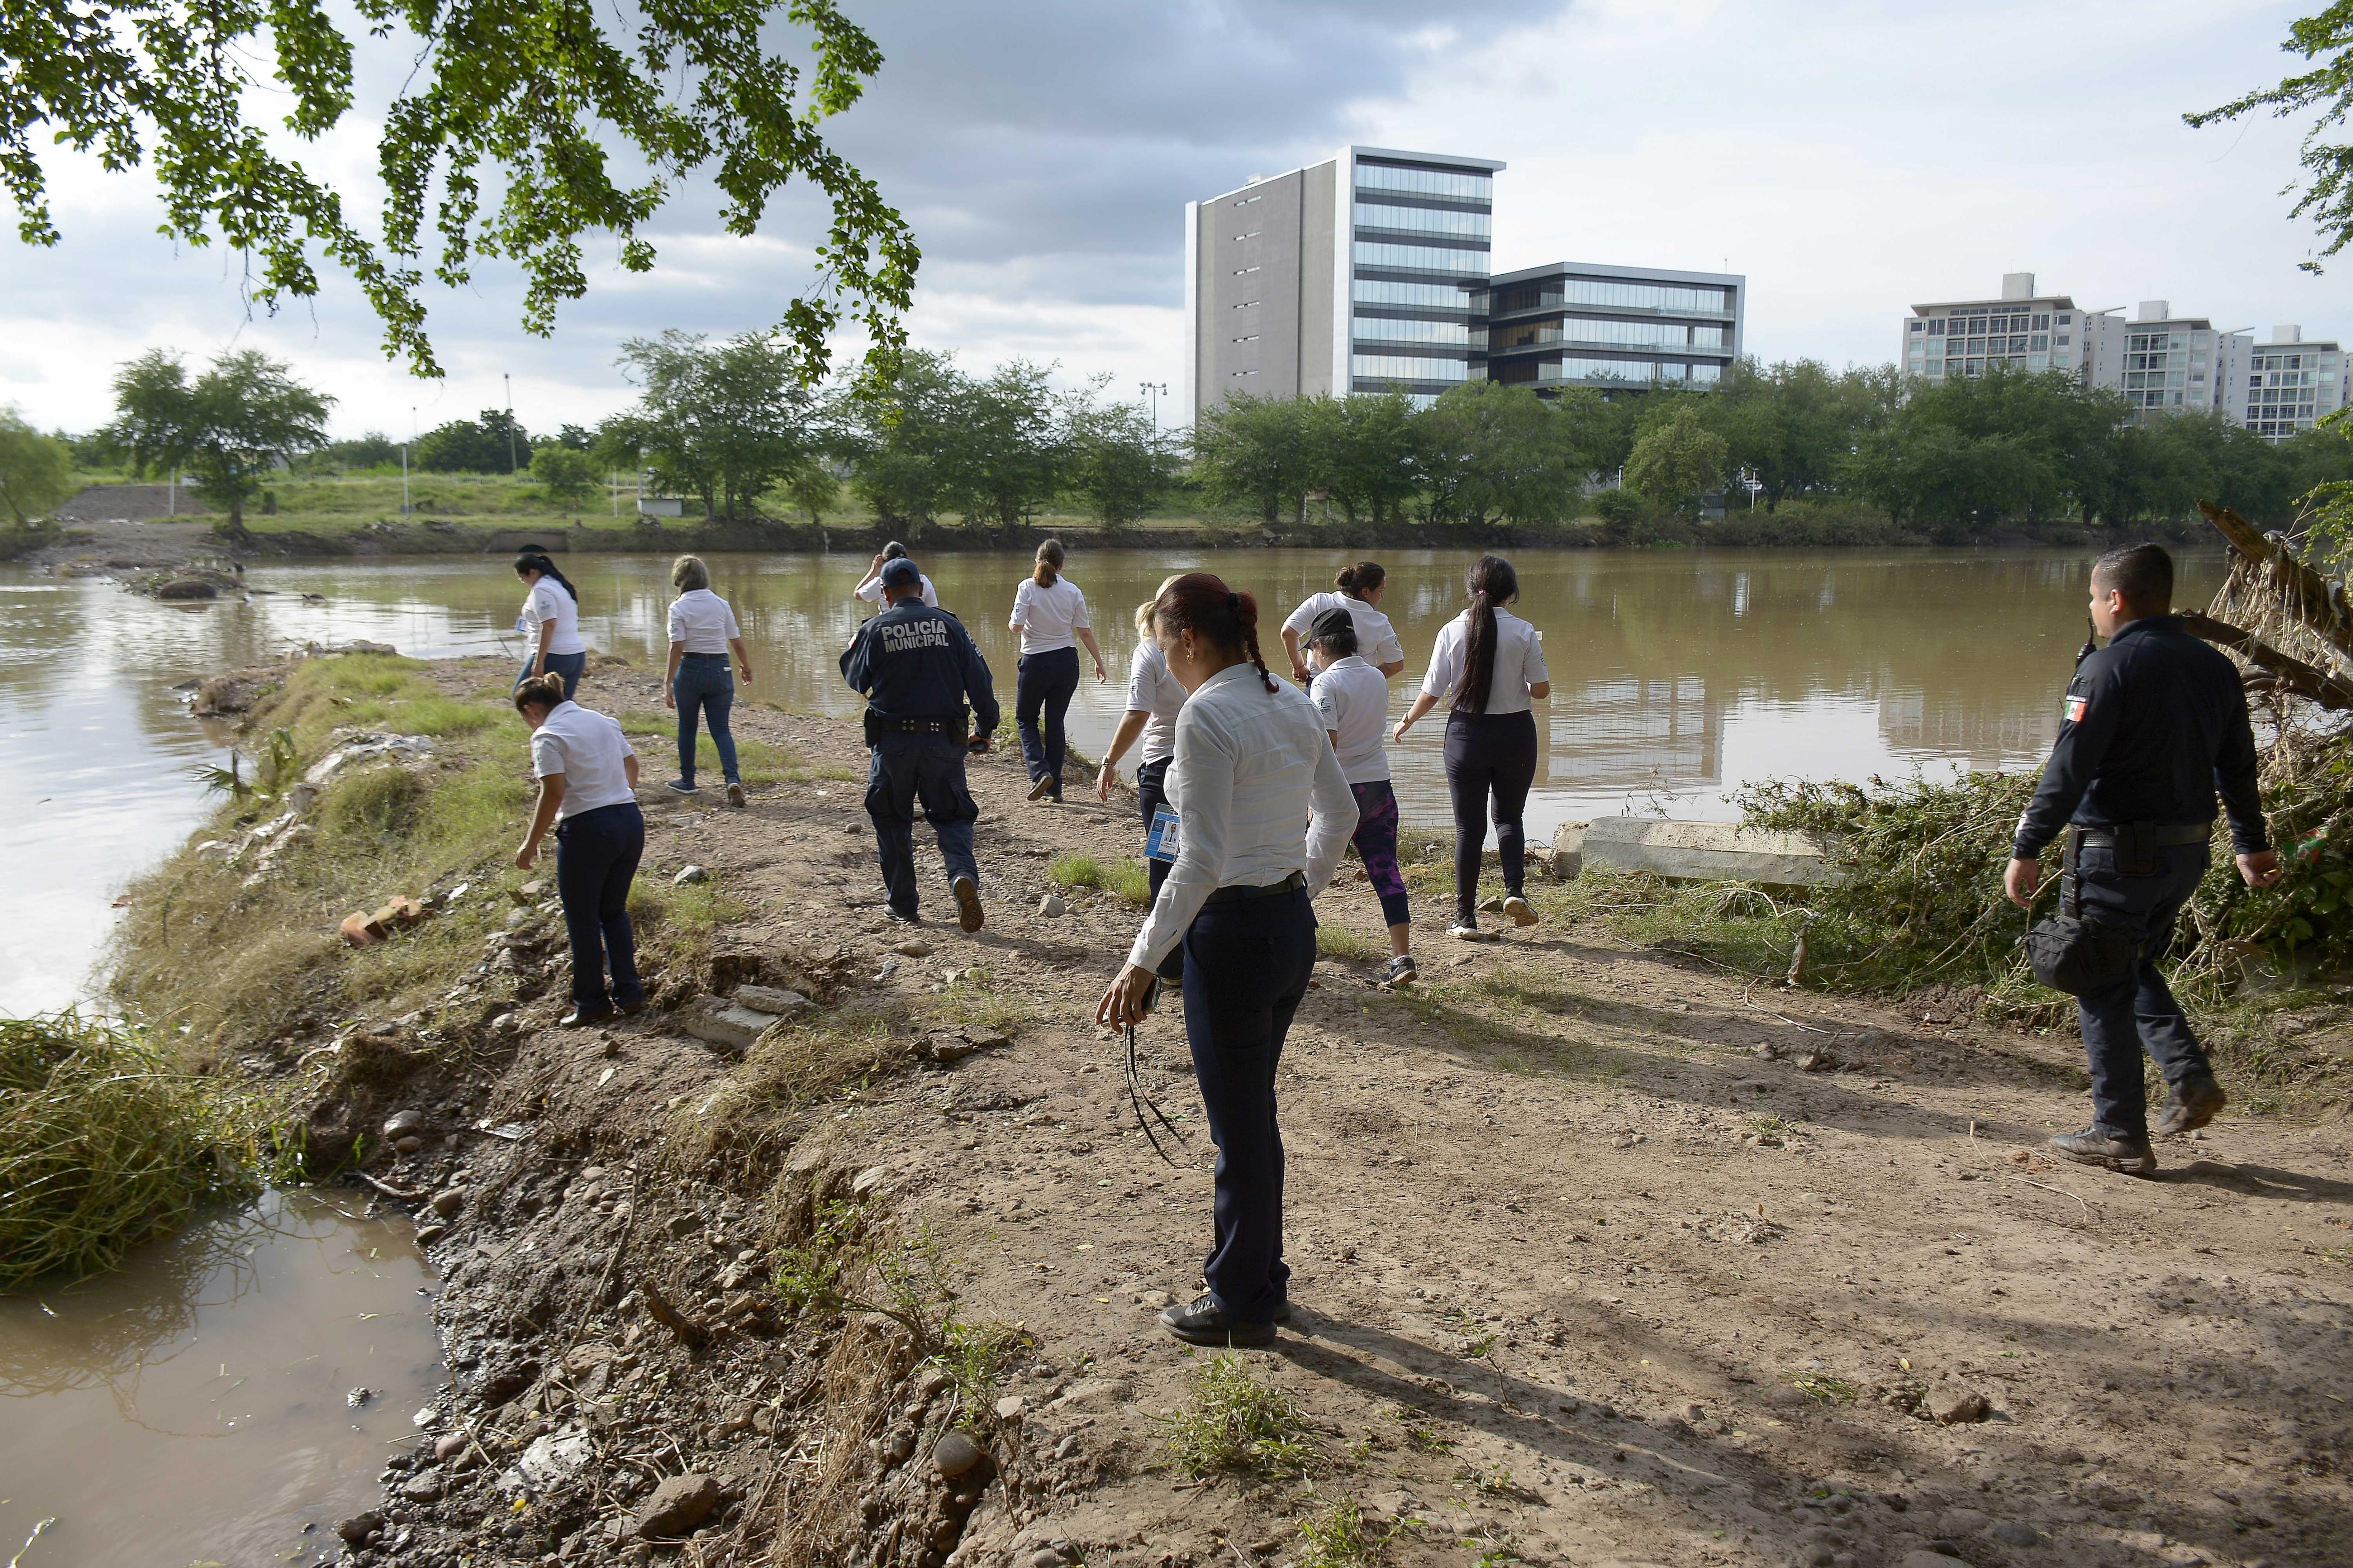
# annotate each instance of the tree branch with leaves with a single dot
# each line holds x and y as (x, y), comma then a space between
(2327, 193)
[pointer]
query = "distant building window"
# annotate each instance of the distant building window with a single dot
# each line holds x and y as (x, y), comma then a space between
(1426, 220)
(1403, 367)
(1252, 339)
(1919, 325)
(2062, 340)
(1245, 305)
(1461, 188)
(2042, 323)
(1247, 200)
(2042, 341)
(2064, 321)
(1418, 258)
(1245, 373)
(1251, 234)
(1244, 271)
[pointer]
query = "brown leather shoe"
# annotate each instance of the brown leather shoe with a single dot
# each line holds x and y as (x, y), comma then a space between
(2133, 1156)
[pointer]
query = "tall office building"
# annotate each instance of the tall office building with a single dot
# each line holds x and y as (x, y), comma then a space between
(2162, 360)
(1584, 324)
(2023, 329)
(2290, 383)
(1352, 275)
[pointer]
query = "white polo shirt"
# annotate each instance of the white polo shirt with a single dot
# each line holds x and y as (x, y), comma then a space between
(1152, 689)
(1353, 700)
(1519, 662)
(586, 748)
(703, 620)
(547, 602)
(1376, 638)
(871, 589)
(1048, 617)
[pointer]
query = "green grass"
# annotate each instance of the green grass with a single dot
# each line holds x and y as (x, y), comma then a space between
(1233, 1421)
(1127, 879)
(1339, 1537)
(105, 1144)
(1339, 941)
(1821, 1387)
(762, 763)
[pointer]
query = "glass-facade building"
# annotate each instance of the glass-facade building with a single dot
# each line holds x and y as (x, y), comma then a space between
(1420, 234)
(1610, 328)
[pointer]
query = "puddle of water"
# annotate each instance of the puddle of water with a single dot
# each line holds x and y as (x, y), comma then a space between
(193, 1407)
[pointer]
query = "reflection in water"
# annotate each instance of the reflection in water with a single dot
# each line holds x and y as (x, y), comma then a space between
(193, 1406)
(1677, 676)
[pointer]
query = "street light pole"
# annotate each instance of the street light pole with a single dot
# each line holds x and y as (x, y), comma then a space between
(510, 451)
(1155, 392)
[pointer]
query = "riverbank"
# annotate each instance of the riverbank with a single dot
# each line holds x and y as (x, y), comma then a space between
(1601, 1250)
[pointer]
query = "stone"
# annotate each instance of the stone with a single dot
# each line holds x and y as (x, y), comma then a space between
(1051, 907)
(552, 1458)
(2013, 1533)
(1010, 1407)
(187, 588)
(1096, 1394)
(868, 1179)
(770, 999)
(689, 875)
(449, 1445)
(955, 1454)
(408, 1145)
(1919, 1559)
(424, 1488)
(402, 1123)
(426, 1234)
(1492, 906)
(1956, 1407)
(717, 1021)
(448, 1201)
(914, 947)
(1962, 1522)
(360, 1526)
(677, 1506)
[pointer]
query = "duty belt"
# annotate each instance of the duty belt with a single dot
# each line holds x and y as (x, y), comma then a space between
(1244, 891)
(919, 726)
(2160, 834)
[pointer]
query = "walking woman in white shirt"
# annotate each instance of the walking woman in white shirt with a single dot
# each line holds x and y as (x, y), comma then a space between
(588, 794)
(550, 622)
(1352, 699)
(1251, 764)
(1358, 590)
(1051, 613)
(702, 631)
(1488, 664)
(1154, 696)
(870, 587)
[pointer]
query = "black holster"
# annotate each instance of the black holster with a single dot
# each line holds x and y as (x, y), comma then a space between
(2071, 954)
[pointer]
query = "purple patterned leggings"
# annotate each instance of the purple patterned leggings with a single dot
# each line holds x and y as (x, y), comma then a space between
(1376, 840)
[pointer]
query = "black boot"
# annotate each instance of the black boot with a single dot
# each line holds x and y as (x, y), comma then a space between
(2192, 1104)
(2133, 1156)
(1201, 1323)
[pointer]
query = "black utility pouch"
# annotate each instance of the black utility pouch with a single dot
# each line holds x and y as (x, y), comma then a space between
(2071, 954)
(2136, 849)
(873, 724)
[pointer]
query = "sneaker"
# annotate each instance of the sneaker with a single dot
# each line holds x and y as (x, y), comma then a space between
(684, 786)
(1041, 789)
(901, 917)
(1463, 929)
(1400, 971)
(969, 913)
(1522, 914)
(2133, 1156)
(734, 792)
(2192, 1105)
(1201, 1323)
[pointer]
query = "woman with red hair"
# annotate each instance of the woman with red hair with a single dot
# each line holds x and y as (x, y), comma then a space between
(1251, 764)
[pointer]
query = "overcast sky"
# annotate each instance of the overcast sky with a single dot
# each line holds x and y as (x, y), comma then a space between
(1850, 158)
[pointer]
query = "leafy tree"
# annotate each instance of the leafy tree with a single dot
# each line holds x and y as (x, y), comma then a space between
(2327, 194)
(723, 422)
(228, 428)
(814, 489)
(1678, 462)
(1004, 456)
(579, 437)
(1251, 452)
(1362, 450)
(373, 450)
(899, 440)
(1491, 450)
(36, 471)
(1118, 465)
(566, 473)
(488, 444)
(528, 99)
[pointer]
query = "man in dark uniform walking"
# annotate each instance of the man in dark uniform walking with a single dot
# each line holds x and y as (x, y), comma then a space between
(2155, 724)
(917, 665)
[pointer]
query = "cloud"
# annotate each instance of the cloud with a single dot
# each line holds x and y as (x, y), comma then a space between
(1850, 157)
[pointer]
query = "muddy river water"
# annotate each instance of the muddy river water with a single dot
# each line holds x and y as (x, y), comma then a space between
(193, 1408)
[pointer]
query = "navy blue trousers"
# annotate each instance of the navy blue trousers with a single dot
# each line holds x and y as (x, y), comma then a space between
(596, 856)
(929, 767)
(1043, 686)
(1246, 967)
(568, 665)
(1488, 756)
(705, 687)
(2137, 1011)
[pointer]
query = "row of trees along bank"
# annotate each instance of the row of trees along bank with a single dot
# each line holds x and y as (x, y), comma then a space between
(731, 424)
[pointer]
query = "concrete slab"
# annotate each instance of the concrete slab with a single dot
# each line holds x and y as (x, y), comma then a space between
(1695, 851)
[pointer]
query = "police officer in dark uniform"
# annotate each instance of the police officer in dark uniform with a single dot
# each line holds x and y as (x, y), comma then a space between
(917, 665)
(2155, 722)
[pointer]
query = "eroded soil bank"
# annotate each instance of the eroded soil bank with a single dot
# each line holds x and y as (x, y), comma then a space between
(1600, 1255)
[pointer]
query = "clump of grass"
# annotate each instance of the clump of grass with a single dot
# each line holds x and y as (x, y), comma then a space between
(382, 800)
(1821, 1386)
(1072, 869)
(1339, 1537)
(975, 1002)
(1233, 1421)
(1133, 881)
(978, 1355)
(743, 1127)
(1779, 1126)
(1339, 941)
(103, 1146)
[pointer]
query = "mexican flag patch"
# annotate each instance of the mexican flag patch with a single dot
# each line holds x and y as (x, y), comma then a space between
(2076, 706)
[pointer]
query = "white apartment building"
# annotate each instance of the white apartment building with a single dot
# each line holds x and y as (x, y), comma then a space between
(2291, 385)
(2162, 360)
(2023, 329)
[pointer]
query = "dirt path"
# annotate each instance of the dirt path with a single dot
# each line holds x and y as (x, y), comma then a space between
(1589, 1266)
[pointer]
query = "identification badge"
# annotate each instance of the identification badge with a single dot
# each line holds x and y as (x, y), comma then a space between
(1160, 843)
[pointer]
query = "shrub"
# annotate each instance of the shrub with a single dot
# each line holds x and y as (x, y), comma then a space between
(1231, 1421)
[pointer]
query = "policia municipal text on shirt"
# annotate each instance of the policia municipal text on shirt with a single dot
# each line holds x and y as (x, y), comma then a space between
(917, 667)
(2154, 724)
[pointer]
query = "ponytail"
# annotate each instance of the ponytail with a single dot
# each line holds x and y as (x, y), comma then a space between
(532, 558)
(538, 691)
(1361, 578)
(1050, 564)
(1492, 582)
(1200, 603)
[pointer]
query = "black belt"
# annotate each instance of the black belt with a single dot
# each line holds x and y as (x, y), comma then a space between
(720, 656)
(918, 726)
(1244, 891)
(2161, 834)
